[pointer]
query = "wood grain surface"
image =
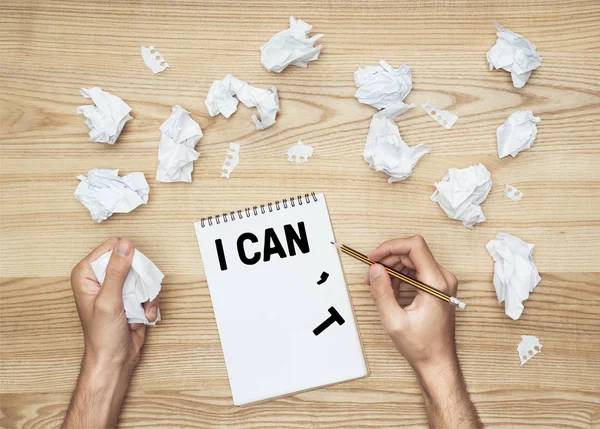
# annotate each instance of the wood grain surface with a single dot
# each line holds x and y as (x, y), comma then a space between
(50, 49)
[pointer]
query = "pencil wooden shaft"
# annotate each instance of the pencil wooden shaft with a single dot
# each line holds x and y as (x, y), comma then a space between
(415, 283)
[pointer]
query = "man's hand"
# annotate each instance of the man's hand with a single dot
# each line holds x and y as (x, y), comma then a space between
(112, 346)
(423, 331)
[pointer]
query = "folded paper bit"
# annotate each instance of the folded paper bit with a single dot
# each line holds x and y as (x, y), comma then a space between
(220, 99)
(107, 117)
(385, 150)
(232, 159)
(517, 133)
(291, 46)
(512, 193)
(382, 86)
(143, 283)
(515, 54)
(515, 272)
(442, 117)
(104, 193)
(154, 60)
(179, 135)
(528, 348)
(461, 192)
(300, 152)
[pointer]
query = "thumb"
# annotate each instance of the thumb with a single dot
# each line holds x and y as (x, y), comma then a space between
(391, 314)
(117, 271)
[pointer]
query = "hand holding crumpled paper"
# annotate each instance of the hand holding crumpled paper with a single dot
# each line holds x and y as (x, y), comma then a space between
(515, 272)
(385, 150)
(461, 191)
(515, 54)
(220, 99)
(143, 283)
(107, 117)
(176, 154)
(291, 46)
(104, 193)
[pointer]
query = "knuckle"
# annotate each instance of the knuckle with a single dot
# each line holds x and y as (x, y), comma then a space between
(115, 271)
(103, 307)
(419, 241)
(394, 328)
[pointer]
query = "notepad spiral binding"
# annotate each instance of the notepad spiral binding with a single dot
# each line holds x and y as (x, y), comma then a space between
(262, 209)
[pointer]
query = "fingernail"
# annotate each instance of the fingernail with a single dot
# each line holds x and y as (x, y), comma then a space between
(375, 271)
(124, 248)
(152, 312)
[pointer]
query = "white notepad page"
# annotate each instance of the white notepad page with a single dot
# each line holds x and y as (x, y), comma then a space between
(266, 311)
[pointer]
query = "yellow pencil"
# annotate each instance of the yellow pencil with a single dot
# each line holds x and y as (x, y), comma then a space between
(409, 280)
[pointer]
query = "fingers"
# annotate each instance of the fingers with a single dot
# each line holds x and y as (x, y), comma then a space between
(116, 272)
(418, 254)
(151, 309)
(391, 314)
(451, 280)
(105, 247)
(138, 334)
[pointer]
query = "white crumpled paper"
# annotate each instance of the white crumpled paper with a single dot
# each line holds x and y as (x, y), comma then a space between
(220, 99)
(142, 284)
(291, 46)
(300, 152)
(176, 154)
(154, 60)
(443, 117)
(385, 150)
(382, 86)
(517, 133)
(513, 193)
(515, 54)
(104, 193)
(232, 159)
(107, 117)
(461, 191)
(515, 273)
(528, 348)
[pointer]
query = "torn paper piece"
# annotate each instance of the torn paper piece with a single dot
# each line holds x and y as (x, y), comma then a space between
(515, 54)
(515, 272)
(232, 159)
(300, 152)
(461, 192)
(528, 348)
(382, 86)
(143, 283)
(106, 118)
(512, 193)
(154, 60)
(220, 99)
(517, 133)
(442, 117)
(291, 46)
(104, 193)
(176, 155)
(385, 150)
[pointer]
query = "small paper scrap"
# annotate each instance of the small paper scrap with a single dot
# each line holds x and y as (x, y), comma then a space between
(232, 159)
(176, 154)
(104, 193)
(291, 46)
(515, 54)
(461, 192)
(382, 86)
(442, 117)
(386, 151)
(220, 99)
(143, 283)
(300, 152)
(107, 117)
(154, 60)
(517, 133)
(528, 348)
(513, 193)
(515, 272)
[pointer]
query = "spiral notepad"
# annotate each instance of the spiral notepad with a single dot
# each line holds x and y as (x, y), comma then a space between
(280, 299)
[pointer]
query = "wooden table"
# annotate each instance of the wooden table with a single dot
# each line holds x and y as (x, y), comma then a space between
(51, 49)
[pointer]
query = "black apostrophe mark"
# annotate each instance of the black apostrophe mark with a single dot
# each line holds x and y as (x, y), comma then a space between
(324, 277)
